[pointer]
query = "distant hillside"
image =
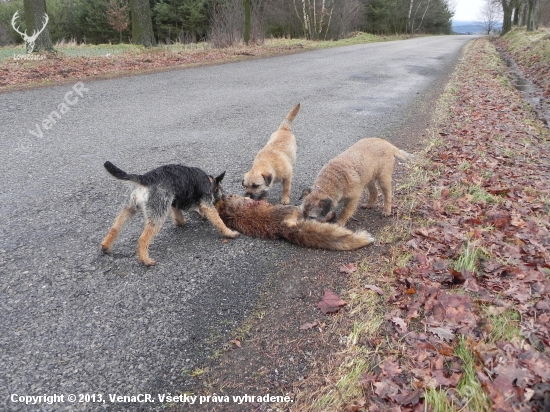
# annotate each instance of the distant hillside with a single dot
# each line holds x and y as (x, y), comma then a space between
(469, 27)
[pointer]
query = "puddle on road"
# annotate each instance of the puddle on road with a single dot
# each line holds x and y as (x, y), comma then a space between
(529, 90)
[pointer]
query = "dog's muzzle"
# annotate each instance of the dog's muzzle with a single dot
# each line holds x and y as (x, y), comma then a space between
(257, 196)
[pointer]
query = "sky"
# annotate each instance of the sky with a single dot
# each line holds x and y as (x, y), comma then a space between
(467, 10)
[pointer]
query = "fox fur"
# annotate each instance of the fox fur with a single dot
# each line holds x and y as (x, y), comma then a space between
(258, 218)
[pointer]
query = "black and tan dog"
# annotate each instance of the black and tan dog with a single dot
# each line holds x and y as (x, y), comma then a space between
(258, 218)
(174, 187)
(274, 162)
(341, 182)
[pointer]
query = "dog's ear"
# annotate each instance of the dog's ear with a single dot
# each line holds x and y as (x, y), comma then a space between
(220, 178)
(326, 205)
(268, 178)
(305, 192)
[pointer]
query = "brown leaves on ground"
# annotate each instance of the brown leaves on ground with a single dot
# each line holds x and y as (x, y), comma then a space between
(331, 302)
(58, 67)
(484, 250)
(348, 269)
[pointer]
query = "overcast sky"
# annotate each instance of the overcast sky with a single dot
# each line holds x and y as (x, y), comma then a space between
(467, 10)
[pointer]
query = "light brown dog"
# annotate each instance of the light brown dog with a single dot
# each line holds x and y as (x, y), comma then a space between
(341, 182)
(257, 218)
(274, 163)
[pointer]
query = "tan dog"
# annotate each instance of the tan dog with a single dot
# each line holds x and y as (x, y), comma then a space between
(274, 162)
(257, 218)
(342, 180)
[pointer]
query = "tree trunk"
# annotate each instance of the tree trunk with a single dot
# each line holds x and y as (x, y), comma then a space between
(409, 23)
(517, 12)
(531, 13)
(34, 21)
(142, 25)
(507, 10)
(246, 35)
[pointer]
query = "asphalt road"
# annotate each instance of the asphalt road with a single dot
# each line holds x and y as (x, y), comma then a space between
(74, 321)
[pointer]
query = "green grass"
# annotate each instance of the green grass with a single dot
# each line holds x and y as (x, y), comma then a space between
(436, 400)
(469, 388)
(469, 257)
(503, 326)
(464, 165)
(480, 195)
(346, 389)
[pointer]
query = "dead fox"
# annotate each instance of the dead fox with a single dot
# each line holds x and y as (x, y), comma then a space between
(258, 218)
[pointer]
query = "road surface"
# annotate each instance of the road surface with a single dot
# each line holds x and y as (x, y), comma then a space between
(75, 321)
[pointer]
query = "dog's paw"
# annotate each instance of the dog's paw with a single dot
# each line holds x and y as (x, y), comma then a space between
(386, 214)
(285, 201)
(231, 234)
(105, 249)
(367, 206)
(148, 261)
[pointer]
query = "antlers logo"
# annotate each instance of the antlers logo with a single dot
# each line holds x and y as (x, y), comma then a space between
(30, 40)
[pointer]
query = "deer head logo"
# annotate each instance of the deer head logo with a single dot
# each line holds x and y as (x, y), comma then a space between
(30, 40)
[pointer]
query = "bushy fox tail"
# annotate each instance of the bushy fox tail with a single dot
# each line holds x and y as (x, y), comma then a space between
(121, 174)
(289, 118)
(318, 235)
(403, 155)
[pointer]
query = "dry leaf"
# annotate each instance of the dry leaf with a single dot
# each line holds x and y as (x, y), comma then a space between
(331, 302)
(236, 342)
(348, 269)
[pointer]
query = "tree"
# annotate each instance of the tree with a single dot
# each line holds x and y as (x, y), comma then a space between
(142, 24)
(490, 15)
(329, 19)
(315, 16)
(117, 16)
(247, 22)
(531, 14)
(507, 10)
(181, 20)
(544, 13)
(408, 16)
(93, 26)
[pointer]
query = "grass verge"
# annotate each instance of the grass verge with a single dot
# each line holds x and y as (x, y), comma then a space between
(414, 343)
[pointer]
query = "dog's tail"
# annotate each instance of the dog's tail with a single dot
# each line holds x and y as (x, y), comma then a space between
(285, 125)
(319, 235)
(121, 174)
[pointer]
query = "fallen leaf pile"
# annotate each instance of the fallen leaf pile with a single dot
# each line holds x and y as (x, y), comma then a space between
(482, 249)
(58, 67)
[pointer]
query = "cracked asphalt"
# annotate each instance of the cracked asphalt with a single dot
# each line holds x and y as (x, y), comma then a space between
(75, 321)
